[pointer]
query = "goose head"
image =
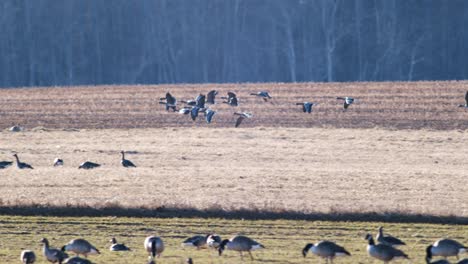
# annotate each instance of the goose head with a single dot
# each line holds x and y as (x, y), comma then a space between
(306, 249)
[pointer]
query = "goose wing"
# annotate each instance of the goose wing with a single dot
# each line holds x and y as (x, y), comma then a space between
(239, 120)
(210, 97)
(200, 101)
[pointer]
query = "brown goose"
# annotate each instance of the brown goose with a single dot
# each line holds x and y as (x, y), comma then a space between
(240, 244)
(325, 249)
(262, 94)
(347, 102)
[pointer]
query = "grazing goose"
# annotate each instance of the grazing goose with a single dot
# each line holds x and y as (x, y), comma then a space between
(58, 162)
(466, 101)
(307, 106)
(52, 254)
(213, 241)
(77, 260)
(209, 115)
(326, 249)
(383, 252)
(463, 261)
(5, 164)
(196, 241)
(445, 248)
(125, 162)
(22, 165)
(241, 117)
(241, 244)
(80, 246)
(263, 94)
(388, 240)
(231, 99)
(210, 97)
(170, 102)
(27, 257)
(118, 247)
(347, 101)
(88, 165)
(154, 245)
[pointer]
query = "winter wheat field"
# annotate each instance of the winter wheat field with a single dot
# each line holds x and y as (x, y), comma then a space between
(398, 153)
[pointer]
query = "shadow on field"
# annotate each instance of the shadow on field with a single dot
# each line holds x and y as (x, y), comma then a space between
(169, 212)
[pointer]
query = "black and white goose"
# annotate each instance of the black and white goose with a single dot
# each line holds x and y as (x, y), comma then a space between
(5, 164)
(88, 165)
(262, 94)
(194, 112)
(383, 252)
(58, 162)
(154, 245)
(240, 244)
(213, 241)
(210, 97)
(231, 99)
(198, 241)
(325, 249)
(388, 240)
(80, 246)
(209, 115)
(445, 248)
(241, 117)
(21, 165)
(170, 102)
(118, 247)
(52, 254)
(307, 106)
(347, 101)
(77, 260)
(125, 162)
(27, 257)
(185, 110)
(466, 101)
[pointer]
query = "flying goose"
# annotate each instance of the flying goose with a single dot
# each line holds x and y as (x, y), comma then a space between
(118, 247)
(383, 252)
(445, 248)
(241, 244)
(347, 101)
(209, 115)
(196, 241)
(88, 165)
(27, 257)
(241, 117)
(194, 112)
(21, 165)
(466, 101)
(52, 254)
(325, 249)
(58, 162)
(387, 239)
(154, 245)
(210, 97)
(231, 99)
(125, 162)
(77, 260)
(170, 102)
(307, 106)
(263, 94)
(80, 246)
(185, 111)
(213, 241)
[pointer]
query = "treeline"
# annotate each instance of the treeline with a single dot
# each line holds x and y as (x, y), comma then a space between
(47, 42)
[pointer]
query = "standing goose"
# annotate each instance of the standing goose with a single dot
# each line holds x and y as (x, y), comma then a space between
(466, 101)
(213, 241)
(170, 102)
(58, 162)
(22, 165)
(154, 245)
(118, 247)
(307, 106)
(125, 162)
(240, 244)
(241, 117)
(445, 248)
(52, 254)
(195, 241)
(383, 252)
(388, 240)
(209, 115)
(210, 97)
(263, 94)
(88, 165)
(80, 246)
(347, 101)
(231, 99)
(77, 260)
(326, 249)
(27, 257)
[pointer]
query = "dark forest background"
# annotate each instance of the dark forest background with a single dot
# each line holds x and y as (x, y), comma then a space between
(74, 42)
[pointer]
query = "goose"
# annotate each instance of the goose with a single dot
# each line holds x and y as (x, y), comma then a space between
(27, 257)
(445, 248)
(194, 112)
(210, 97)
(307, 106)
(77, 260)
(118, 247)
(80, 246)
(347, 101)
(241, 244)
(189, 261)
(125, 162)
(196, 241)
(388, 240)
(231, 99)
(16, 128)
(184, 111)
(170, 102)
(383, 252)
(154, 245)
(241, 117)
(325, 249)
(88, 165)
(58, 162)
(263, 94)
(52, 254)
(21, 165)
(209, 115)
(463, 261)
(189, 102)
(466, 101)
(5, 164)
(213, 241)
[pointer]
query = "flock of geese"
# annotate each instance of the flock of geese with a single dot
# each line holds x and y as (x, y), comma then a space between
(386, 250)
